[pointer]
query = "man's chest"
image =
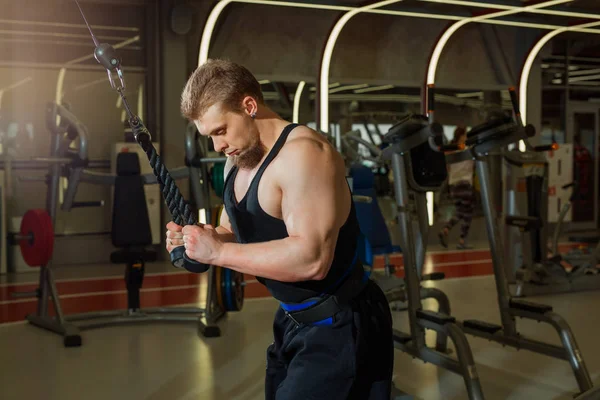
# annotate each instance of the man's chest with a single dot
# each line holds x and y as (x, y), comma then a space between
(262, 190)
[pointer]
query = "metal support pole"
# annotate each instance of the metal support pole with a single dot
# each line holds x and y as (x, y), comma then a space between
(422, 231)
(413, 283)
(496, 248)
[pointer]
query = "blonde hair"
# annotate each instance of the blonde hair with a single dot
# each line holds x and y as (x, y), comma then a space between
(218, 81)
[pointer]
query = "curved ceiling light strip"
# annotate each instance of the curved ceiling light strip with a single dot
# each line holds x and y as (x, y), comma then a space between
(209, 28)
(535, 50)
(213, 18)
(507, 10)
(326, 62)
(443, 40)
(498, 6)
(217, 10)
(297, 97)
(323, 119)
(435, 57)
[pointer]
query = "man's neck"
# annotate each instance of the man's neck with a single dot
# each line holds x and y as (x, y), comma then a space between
(270, 125)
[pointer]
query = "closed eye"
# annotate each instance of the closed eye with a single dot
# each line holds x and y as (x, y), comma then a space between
(219, 131)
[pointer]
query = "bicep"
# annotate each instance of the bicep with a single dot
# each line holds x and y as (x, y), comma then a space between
(224, 220)
(313, 200)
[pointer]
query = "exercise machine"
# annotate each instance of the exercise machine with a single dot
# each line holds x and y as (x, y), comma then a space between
(417, 167)
(351, 142)
(36, 237)
(373, 227)
(229, 294)
(583, 260)
(533, 268)
(224, 291)
(482, 141)
(592, 394)
(366, 183)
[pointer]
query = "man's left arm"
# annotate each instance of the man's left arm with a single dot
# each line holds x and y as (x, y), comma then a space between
(311, 193)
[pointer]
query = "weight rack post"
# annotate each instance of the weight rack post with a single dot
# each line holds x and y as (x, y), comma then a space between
(411, 277)
(496, 248)
(488, 138)
(47, 287)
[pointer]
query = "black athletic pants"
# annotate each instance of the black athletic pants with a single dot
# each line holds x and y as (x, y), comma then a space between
(351, 358)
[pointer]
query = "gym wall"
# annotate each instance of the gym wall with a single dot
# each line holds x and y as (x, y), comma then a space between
(279, 44)
(285, 44)
(37, 55)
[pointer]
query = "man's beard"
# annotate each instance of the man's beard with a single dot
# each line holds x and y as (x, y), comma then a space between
(251, 157)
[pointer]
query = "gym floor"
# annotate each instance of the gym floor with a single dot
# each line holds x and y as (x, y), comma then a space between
(170, 361)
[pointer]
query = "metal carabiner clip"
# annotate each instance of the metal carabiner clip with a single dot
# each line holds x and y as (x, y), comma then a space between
(112, 80)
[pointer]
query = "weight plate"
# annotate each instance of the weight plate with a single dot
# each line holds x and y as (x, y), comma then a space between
(227, 289)
(238, 290)
(218, 286)
(218, 178)
(49, 236)
(229, 283)
(233, 290)
(38, 246)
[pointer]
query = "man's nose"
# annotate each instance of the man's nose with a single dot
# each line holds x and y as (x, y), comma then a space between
(219, 145)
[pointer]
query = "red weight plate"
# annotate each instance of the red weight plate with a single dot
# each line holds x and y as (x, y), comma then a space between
(37, 249)
(47, 230)
(49, 236)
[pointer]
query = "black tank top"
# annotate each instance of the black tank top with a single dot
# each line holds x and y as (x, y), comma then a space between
(251, 224)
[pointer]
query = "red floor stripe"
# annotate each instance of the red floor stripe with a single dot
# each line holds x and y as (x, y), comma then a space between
(110, 284)
(16, 311)
(476, 263)
(118, 301)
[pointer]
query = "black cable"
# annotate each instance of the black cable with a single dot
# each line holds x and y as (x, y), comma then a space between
(181, 212)
(178, 207)
(106, 56)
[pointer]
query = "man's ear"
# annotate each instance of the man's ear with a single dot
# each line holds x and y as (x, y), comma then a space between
(250, 106)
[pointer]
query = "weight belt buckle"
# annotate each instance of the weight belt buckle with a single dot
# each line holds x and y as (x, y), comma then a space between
(287, 313)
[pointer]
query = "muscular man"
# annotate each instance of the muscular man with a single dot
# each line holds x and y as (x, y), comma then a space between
(290, 221)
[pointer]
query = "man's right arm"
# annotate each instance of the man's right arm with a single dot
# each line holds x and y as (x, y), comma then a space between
(224, 228)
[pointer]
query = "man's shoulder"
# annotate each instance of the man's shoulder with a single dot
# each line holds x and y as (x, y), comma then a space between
(304, 143)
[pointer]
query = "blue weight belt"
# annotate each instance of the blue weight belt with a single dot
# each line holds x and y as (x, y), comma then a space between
(320, 310)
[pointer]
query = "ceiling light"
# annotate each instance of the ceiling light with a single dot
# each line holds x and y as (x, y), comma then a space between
(435, 56)
(524, 80)
(509, 7)
(374, 89)
(584, 78)
(297, 96)
(471, 94)
(348, 87)
(585, 72)
(220, 6)
(326, 62)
